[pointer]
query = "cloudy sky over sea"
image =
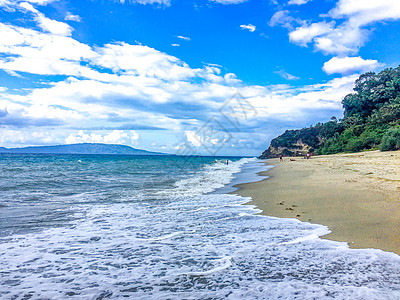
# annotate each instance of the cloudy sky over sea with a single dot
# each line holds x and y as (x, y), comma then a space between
(163, 75)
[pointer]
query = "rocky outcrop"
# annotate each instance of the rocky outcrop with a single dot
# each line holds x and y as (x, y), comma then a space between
(300, 149)
(273, 152)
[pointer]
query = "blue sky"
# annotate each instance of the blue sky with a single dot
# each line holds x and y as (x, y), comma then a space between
(195, 77)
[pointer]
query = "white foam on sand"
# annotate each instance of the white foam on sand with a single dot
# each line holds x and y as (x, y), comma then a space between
(211, 177)
(225, 263)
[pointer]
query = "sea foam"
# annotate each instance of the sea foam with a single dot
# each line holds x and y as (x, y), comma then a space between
(184, 242)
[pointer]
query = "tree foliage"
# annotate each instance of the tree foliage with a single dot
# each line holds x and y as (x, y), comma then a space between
(371, 119)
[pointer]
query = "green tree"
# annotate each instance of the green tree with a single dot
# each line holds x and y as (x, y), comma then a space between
(391, 139)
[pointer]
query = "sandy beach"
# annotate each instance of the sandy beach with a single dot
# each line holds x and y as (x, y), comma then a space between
(356, 195)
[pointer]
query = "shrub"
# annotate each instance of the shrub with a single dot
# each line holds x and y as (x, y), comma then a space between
(391, 139)
(354, 145)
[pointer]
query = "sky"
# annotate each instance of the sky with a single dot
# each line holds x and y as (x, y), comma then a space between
(207, 77)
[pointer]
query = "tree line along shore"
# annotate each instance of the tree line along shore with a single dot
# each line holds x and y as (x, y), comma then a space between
(371, 121)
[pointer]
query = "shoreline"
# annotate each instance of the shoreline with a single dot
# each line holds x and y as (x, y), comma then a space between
(356, 195)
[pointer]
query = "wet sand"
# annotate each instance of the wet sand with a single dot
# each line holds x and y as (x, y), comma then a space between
(356, 195)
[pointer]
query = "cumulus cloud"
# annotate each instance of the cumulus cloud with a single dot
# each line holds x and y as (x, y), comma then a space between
(305, 34)
(141, 85)
(49, 25)
(348, 65)
(363, 12)
(12, 137)
(71, 17)
(193, 138)
(346, 32)
(114, 137)
(141, 60)
(41, 53)
(248, 27)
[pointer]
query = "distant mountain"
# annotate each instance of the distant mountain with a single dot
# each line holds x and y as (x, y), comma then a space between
(86, 148)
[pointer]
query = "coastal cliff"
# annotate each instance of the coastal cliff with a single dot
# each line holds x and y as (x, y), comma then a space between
(294, 143)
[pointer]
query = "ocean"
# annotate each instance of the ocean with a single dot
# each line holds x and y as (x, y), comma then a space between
(164, 227)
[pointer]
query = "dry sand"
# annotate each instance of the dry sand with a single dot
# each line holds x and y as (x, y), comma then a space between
(356, 195)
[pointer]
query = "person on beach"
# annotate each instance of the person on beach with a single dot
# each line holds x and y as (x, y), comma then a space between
(227, 162)
(280, 157)
(308, 155)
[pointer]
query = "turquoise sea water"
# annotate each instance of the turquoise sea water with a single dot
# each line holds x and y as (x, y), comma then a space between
(155, 227)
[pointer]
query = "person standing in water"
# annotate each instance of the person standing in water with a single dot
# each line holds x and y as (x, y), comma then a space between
(227, 162)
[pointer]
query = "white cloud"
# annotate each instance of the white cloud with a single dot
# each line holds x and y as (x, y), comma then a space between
(20, 138)
(54, 26)
(305, 34)
(143, 61)
(348, 65)
(11, 136)
(41, 2)
(12, 5)
(298, 2)
(249, 27)
(284, 19)
(40, 53)
(362, 12)
(342, 40)
(162, 2)
(185, 38)
(13, 73)
(193, 138)
(348, 33)
(280, 18)
(49, 25)
(7, 5)
(175, 45)
(286, 75)
(71, 17)
(134, 136)
(114, 137)
(137, 84)
(229, 1)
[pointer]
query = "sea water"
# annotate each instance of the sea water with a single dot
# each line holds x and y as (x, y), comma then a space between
(161, 227)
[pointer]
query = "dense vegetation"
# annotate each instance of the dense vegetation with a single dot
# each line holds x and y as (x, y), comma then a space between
(371, 119)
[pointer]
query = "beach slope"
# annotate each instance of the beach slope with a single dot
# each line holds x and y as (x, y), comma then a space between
(356, 195)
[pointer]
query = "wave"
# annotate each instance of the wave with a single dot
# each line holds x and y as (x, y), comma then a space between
(211, 177)
(226, 262)
(189, 243)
